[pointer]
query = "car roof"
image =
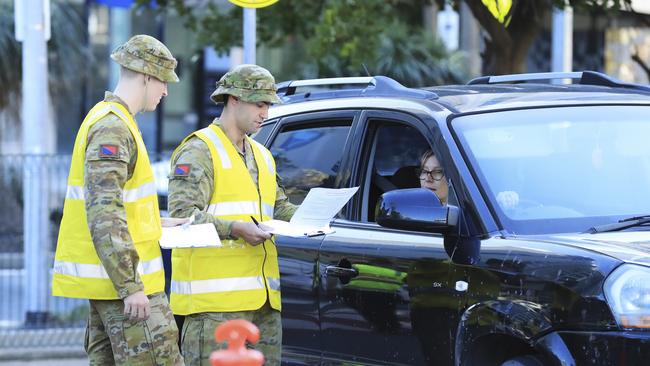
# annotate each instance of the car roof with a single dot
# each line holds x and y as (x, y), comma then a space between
(468, 98)
(481, 94)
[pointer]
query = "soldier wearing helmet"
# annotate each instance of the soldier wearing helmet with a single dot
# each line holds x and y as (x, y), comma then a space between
(223, 177)
(107, 249)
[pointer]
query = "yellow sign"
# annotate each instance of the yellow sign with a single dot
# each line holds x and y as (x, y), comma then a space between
(253, 3)
(500, 10)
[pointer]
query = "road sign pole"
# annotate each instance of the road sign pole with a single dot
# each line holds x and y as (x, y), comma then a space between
(250, 28)
(35, 114)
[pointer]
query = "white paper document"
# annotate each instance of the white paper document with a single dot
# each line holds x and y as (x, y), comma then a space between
(190, 236)
(314, 214)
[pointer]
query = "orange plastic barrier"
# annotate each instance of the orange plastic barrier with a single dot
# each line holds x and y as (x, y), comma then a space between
(236, 333)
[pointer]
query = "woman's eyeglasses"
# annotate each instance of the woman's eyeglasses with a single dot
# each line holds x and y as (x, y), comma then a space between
(436, 174)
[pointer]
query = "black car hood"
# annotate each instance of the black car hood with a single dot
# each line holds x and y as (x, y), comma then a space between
(630, 247)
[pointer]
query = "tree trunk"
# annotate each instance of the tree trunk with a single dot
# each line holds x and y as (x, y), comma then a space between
(506, 48)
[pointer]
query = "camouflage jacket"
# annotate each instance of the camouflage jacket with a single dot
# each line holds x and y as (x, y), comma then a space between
(190, 193)
(104, 179)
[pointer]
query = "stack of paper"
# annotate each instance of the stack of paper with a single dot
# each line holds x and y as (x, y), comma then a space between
(190, 236)
(314, 214)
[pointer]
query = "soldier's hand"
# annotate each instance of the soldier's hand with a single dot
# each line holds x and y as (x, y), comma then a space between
(136, 306)
(249, 232)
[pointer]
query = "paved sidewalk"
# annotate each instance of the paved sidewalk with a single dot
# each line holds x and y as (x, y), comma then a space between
(59, 362)
(52, 346)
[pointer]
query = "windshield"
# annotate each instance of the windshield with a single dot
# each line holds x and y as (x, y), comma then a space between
(561, 169)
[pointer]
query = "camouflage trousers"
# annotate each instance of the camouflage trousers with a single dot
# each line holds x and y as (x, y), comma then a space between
(114, 339)
(197, 337)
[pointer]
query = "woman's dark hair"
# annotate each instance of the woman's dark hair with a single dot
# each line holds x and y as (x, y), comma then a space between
(423, 159)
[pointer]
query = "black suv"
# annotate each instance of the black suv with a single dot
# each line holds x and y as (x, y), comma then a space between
(556, 274)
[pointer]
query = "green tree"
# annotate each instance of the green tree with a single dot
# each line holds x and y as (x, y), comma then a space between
(341, 34)
(511, 26)
(341, 37)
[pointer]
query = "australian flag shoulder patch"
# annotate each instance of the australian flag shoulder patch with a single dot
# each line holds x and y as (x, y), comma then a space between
(108, 151)
(182, 170)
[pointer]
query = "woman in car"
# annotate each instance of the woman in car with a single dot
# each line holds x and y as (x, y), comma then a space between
(432, 176)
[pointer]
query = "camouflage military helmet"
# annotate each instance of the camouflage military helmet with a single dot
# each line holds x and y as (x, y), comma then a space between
(147, 55)
(250, 83)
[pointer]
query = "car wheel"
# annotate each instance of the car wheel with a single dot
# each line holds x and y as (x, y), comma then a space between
(527, 360)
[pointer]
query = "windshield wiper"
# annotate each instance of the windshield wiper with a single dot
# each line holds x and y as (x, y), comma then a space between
(621, 224)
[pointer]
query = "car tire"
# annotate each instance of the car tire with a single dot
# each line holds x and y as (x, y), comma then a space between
(528, 360)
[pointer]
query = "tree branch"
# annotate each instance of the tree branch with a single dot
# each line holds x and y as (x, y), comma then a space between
(636, 58)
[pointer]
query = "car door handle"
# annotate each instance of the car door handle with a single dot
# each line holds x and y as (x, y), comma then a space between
(341, 271)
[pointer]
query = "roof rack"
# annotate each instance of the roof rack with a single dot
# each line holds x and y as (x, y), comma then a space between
(586, 78)
(372, 86)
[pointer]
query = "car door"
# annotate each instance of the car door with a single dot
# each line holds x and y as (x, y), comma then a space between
(308, 150)
(385, 295)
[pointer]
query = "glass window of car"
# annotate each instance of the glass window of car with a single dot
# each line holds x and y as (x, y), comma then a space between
(393, 152)
(571, 168)
(308, 156)
(264, 132)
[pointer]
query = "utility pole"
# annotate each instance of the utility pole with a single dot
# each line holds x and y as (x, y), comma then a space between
(32, 28)
(470, 40)
(562, 41)
(250, 34)
(250, 25)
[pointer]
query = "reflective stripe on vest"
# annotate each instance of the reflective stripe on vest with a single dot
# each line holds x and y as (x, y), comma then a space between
(223, 285)
(74, 193)
(267, 156)
(239, 208)
(97, 270)
(223, 155)
(128, 195)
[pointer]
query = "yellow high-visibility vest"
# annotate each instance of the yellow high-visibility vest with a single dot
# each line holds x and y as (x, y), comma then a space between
(78, 271)
(236, 276)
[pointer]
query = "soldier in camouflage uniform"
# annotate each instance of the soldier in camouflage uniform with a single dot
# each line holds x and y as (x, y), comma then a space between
(191, 186)
(135, 329)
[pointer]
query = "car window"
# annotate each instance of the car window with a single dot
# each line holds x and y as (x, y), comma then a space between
(580, 166)
(394, 152)
(263, 133)
(308, 157)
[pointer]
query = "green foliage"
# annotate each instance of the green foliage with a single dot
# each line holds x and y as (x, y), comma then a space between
(418, 59)
(339, 36)
(385, 35)
(348, 33)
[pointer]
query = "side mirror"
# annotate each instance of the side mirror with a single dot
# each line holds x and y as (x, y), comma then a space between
(416, 209)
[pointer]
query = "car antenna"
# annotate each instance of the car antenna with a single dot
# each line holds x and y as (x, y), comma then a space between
(366, 69)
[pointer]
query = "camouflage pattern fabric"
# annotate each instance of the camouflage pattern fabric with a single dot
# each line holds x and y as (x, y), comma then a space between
(105, 176)
(197, 337)
(114, 339)
(147, 55)
(250, 83)
(190, 192)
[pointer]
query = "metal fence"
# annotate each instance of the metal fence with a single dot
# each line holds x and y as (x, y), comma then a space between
(61, 321)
